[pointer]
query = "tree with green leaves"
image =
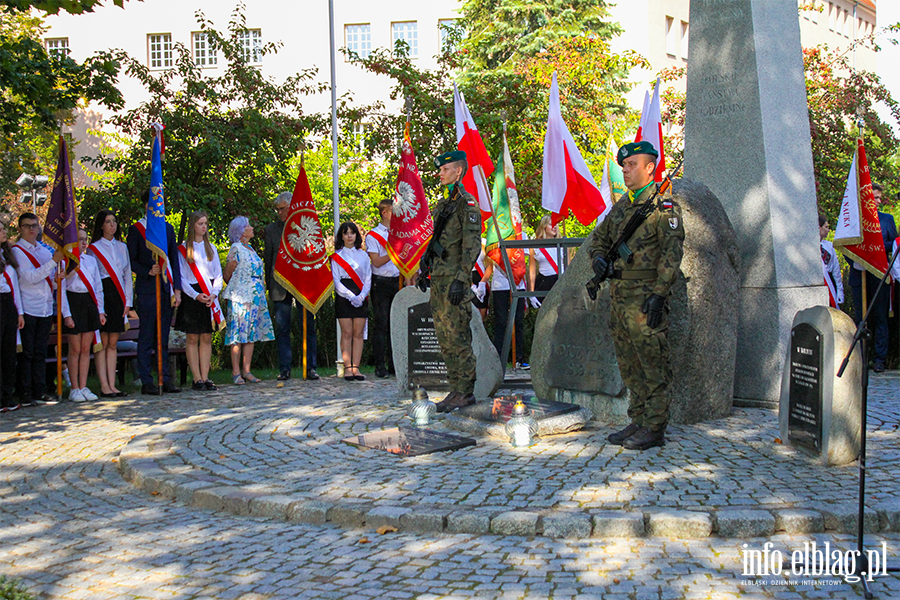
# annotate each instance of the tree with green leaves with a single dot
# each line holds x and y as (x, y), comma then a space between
(52, 7)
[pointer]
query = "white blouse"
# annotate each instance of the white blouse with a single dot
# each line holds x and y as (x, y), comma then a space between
(5, 288)
(116, 253)
(89, 266)
(211, 270)
(359, 260)
(545, 267)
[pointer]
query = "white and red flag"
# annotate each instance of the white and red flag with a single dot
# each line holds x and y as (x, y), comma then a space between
(650, 130)
(411, 223)
(480, 164)
(858, 230)
(568, 184)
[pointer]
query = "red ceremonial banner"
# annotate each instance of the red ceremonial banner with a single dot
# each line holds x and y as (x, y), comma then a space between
(301, 266)
(411, 223)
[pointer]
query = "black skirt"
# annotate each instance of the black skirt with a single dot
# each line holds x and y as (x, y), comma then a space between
(543, 283)
(342, 307)
(83, 311)
(482, 303)
(112, 302)
(193, 316)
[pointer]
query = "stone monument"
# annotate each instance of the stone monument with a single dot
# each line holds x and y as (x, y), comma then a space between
(411, 326)
(747, 138)
(820, 413)
(573, 358)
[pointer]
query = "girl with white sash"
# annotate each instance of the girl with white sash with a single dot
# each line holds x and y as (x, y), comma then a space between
(11, 321)
(84, 314)
(200, 313)
(351, 270)
(117, 285)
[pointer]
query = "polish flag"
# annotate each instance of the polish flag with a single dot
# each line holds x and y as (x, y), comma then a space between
(568, 184)
(480, 164)
(650, 130)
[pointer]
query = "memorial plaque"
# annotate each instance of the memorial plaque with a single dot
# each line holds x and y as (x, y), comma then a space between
(426, 364)
(501, 410)
(805, 391)
(409, 441)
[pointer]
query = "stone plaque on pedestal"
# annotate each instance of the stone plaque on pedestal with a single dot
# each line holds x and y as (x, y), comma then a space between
(805, 388)
(409, 441)
(426, 365)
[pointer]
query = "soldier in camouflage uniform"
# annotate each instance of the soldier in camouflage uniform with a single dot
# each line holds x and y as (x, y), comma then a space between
(639, 289)
(449, 261)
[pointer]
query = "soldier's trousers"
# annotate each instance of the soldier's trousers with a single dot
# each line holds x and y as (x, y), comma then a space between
(454, 334)
(643, 357)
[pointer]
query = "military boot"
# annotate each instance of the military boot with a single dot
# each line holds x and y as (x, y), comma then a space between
(460, 401)
(444, 405)
(645, 438)
(620, 436)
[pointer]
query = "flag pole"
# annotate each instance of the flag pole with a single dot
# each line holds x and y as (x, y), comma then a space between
(335, 200)
(159, 364)
(59, 328)
(303, 309)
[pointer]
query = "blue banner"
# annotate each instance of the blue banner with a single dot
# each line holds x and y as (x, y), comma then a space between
(156, 208)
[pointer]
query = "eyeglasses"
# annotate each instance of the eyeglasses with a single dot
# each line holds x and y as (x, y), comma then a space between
(29, 226)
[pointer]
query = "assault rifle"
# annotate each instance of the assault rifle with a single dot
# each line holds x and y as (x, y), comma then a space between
(435, 249)
(620, 248)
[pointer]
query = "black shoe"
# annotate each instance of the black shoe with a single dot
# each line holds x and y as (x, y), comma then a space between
(312, 375)
(47, 399)
(121, 394)
(381, 372)
(150, 390)
(199, 386)
(620, 436)
(878, 367)
(645, 438)
(285, 375)
(444, 405)
(170, 388)
(209, 385)
(459, 402)
(109, 395)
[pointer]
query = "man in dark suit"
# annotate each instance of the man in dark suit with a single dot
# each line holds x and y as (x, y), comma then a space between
(282, 301)
(878, 319)
(145, 268)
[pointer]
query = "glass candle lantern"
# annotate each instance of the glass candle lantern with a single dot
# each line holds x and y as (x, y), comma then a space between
(422, 409)
(521, 427)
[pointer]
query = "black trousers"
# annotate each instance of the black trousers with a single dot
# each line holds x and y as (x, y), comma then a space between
(878, 319)
(383, 291)
(9, 320)
(32, 372)
(502, 300)
(145, 306)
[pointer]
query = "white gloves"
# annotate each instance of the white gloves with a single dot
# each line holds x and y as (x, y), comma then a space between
(357, 301)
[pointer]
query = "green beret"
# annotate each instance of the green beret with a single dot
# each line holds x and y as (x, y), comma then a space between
(636, 148)
(448, 157)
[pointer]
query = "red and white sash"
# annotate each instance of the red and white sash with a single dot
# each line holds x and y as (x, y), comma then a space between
(379, 239)
(142, 229)
(829, 282)
(351, 273)
(37, 265)
(113, 274)
(216, 309)
(90, 289)
(550, 260)
(12, 291)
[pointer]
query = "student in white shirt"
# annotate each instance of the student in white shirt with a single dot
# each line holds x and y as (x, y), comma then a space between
(199, 314)
(351, 270)
(11, 320)
(831, 266)
(385, 285)
(83, 315)
(107, 247)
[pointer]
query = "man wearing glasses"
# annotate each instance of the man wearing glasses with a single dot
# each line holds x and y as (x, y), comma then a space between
(37, 282)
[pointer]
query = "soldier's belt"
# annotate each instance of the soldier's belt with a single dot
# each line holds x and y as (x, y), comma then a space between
(634, 274)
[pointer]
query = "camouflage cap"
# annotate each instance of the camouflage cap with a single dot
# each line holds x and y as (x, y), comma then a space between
(448, 157)
(636, 148)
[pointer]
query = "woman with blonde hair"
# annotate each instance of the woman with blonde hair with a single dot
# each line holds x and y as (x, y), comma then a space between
(199, 314)
(543, 263)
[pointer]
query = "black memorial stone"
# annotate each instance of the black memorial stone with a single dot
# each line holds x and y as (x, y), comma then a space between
(501, 408)
(426, 367)
(805, 391)
(409, 441)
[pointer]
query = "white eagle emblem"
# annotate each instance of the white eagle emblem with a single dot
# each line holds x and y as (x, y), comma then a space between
(405, 204)
(307, 237)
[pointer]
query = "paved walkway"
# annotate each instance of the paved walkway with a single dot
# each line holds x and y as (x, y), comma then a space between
(72, 527)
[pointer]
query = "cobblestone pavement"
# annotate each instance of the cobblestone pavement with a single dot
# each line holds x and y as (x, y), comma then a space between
(72, 527)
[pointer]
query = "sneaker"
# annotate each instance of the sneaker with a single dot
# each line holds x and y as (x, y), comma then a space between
(76, 396)
(88, 394)
(284, 376)
(210, 386)
(199, 386)
(312, 375)
(381, 372)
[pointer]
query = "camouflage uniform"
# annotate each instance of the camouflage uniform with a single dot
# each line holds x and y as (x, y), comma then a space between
(461, 238)
(643, 353)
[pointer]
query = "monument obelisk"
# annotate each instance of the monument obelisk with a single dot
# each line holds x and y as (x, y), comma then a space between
(747, 138)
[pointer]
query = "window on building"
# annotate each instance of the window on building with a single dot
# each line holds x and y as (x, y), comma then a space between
(204, 53)
(358, 38)
(159, 46)
(831, 16)
(445, 26)
(814, 14)
(408, 32)
(251, 45)
(671, 37)
(360, 132)
(684, 40)
(57, 47)
(848, 24)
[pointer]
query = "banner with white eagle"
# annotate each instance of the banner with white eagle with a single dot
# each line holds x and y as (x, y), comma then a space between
(411, 223)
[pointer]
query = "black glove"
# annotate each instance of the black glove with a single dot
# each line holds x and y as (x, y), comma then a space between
(476, 278)
(457, 292)
(427, 260)
(422, 282)
(601, 268)
(653, 307)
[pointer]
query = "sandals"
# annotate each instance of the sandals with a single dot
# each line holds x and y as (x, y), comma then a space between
(250, 378)
(237, 380)
(350, 377)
